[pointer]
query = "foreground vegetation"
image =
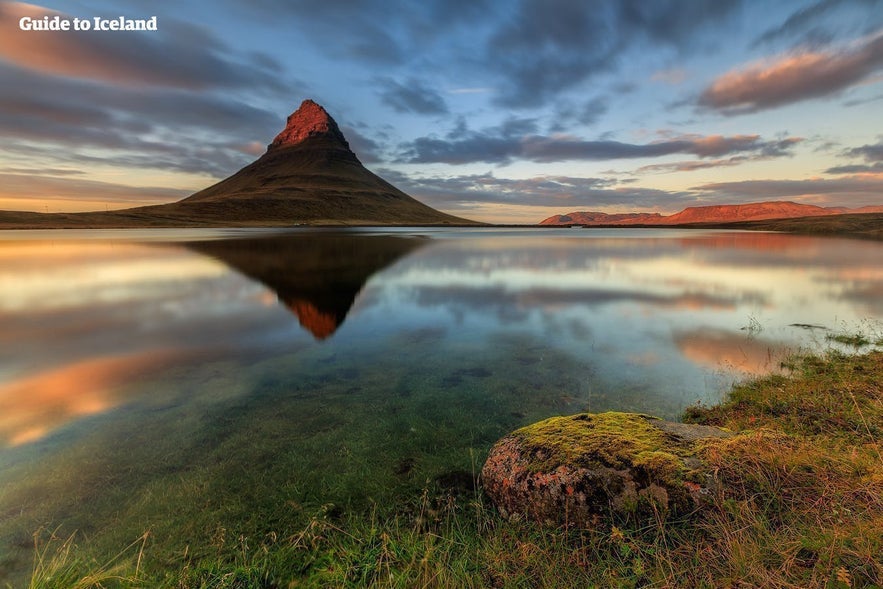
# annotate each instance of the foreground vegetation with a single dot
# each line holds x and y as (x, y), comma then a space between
(799, 504)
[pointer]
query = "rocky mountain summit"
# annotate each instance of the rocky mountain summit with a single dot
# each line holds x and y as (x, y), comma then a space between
(310, 120)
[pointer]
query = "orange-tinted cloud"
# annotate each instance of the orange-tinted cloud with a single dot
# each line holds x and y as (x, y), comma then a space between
(33, 406)
(178, 55)
(792, 78)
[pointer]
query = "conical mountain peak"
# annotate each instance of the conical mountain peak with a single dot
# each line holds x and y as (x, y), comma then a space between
(309, 175)
(309, 120)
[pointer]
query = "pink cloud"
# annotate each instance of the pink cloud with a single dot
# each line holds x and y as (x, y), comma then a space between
(793, 78)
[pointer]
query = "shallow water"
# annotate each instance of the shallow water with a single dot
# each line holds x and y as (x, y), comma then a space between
(190, 381)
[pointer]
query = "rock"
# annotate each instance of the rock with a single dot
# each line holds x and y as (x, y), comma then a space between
(574, 470)
(309, 120)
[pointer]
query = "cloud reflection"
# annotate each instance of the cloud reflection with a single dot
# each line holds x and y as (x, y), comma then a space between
(725, 350)
(33, 406)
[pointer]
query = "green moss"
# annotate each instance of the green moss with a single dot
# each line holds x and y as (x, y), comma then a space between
(661, 467)
(612, 439)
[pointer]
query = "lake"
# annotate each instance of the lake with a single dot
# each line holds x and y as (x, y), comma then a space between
(202, 382)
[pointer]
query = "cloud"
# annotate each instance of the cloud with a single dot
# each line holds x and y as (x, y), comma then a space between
(691, 166)
(377, 32)
(507, 142)
(528, 50)
(849, 191)
(158, 128)
(871, 153)
(817, 22)
(178, 55)
(412, 97)
(179, 99)
(546, 47)
(587, 113)
(33, 191)
(572, 193)
(856, 169)
(366, 149)
(765, 150)
(792, 78)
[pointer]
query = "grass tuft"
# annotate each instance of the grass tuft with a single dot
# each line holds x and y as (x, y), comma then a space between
(59, 564)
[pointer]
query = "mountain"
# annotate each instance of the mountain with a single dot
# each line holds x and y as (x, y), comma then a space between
(316, 276)
(707, 214)
(308, 175)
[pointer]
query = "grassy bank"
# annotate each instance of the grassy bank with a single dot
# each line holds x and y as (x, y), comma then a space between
(800, 504)
(863, 225)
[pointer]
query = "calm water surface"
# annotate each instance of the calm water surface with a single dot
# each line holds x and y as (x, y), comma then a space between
(190, 381)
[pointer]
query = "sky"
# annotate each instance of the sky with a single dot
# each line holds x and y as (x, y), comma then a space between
(501, 111)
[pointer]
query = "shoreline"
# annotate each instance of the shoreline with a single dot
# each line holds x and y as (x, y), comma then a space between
(862, 225)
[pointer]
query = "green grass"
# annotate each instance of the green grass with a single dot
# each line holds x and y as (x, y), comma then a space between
(799, 504)
(856, 340)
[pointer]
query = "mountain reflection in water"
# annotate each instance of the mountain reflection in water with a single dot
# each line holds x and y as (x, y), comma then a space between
(317, 277)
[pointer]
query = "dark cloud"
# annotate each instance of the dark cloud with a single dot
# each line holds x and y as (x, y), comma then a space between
(547, 47)
(507, 142)
(528, 50)
(178, 99)
(379, 32)
(792, 78)
(561, 191)
(413, 96)
(178, 55)
(871, 153)
(859, 191)
(814, 23)
(367, 150)
(765, 150)
(587, 113)
(856, 169)
(159, 128)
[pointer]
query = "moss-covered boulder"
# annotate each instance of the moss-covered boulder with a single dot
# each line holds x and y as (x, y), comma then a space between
(575, 470)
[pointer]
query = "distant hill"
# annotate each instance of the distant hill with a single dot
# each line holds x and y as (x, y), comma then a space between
(308, 175)
(708, 214)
